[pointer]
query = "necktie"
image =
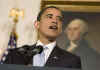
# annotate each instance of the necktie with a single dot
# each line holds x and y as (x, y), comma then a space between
(39, 59)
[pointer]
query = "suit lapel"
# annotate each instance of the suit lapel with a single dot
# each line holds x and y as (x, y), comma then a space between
(53, 58)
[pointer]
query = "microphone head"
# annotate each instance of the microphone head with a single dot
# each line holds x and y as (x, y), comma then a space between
(23, 50)
(37, 50)
(27, 50)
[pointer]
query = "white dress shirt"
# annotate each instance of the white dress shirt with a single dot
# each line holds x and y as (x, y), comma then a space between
(72, 46)
(49, 47)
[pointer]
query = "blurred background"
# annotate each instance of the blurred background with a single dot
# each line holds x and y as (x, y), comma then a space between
(17, 19)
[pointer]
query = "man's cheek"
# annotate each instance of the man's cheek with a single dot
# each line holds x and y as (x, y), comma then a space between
(78, 36)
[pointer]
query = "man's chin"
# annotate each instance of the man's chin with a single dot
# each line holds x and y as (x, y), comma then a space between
(52, 37)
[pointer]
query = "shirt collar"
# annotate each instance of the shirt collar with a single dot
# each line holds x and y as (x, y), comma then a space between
(49, 46)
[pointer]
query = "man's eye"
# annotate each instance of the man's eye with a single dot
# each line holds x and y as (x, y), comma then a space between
(49, 16)
(60, 18)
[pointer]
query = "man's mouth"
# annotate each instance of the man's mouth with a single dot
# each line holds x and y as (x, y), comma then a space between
(53, 27)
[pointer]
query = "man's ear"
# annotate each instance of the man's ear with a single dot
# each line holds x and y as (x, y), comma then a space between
(36, 24)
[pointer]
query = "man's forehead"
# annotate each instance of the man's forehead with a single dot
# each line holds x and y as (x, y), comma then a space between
(74, 25)
(53, 11)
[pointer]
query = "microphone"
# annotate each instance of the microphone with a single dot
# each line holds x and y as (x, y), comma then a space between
(36, 50)
(30, 51)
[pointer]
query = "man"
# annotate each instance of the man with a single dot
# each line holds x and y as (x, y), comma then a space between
(49, 26)
(76, 32)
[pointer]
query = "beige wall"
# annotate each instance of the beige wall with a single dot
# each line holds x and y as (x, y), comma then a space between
(25, 28)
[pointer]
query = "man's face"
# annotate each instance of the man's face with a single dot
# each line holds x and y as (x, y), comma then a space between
(50, 24)
(73, 32)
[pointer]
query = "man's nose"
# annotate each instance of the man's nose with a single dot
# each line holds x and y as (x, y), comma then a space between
(71, 32)
(54, 20)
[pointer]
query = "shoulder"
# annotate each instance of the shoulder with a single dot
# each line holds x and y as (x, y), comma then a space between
(66, 53)
(69, 58)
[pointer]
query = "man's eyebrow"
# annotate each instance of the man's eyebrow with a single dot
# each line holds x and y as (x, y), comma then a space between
(57, 16)
(60, 16)
(49, 14)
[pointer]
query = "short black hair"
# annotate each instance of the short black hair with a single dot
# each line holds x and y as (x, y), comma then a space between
(44, 9)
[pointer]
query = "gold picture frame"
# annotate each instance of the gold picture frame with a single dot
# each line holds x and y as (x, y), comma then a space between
(73, 6)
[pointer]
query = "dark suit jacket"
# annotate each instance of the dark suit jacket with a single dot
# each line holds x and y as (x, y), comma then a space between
(58, 58)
